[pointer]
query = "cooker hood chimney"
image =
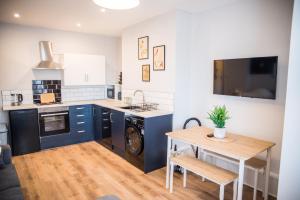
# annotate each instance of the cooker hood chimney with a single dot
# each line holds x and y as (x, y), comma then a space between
(46, 55)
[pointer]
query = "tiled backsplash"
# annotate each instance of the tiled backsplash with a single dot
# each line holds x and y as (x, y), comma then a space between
(83, 93)
(27, 96)
(67, 94)
(46, 86)
(164, 99)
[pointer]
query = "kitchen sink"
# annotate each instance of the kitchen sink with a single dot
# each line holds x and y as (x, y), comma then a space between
(131, 107)
(134, 108)
(141, 107)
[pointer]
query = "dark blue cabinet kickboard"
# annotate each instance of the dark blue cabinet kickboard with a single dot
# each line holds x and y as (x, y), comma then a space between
(55, 141)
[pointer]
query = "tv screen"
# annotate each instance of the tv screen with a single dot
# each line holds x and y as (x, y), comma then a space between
(246, 77)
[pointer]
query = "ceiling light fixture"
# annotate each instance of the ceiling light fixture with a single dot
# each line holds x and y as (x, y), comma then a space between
(78, 25)
(103, 10)
(17, 15)
(117, 4)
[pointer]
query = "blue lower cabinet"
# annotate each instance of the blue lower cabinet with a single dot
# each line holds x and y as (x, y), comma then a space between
(97, 120)
(81, 123)
(118, 131)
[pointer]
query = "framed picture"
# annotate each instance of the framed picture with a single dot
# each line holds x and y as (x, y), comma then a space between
(146, 73)
(159, 58)
(143, 48)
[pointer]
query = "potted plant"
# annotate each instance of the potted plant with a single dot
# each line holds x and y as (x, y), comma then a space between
(219, 116)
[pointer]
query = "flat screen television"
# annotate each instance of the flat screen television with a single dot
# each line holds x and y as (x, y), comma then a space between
(246, 77)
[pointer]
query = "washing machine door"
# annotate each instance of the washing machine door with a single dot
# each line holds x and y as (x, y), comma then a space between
(134, 141)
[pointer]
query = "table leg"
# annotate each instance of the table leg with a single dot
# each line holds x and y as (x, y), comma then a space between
(241, 179)
(168, 162)
(267, 175)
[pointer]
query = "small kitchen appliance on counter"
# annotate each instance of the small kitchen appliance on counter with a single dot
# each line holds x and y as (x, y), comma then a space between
(16, 99)
(110, 92)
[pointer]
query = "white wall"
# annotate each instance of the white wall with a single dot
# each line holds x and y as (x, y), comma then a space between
(289, 179)
(169, 87)
(161, 31)
(249, 28)
(19, 53)
(182, 72)
(246, 28)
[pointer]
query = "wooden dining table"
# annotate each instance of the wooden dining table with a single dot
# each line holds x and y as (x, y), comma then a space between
(234, 146)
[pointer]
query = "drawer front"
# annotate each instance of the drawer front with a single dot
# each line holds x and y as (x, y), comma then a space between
(106, 121)
(80, 118)
(106, 131)
(82, 126)
(81, 121)
(105, 113)
(81, 110)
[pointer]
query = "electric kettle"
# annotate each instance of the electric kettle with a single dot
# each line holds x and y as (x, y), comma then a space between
(16, 99)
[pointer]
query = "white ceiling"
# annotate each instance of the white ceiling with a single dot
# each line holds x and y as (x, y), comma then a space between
(65, 14)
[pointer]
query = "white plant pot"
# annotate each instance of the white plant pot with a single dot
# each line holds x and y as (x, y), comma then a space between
(220, 133)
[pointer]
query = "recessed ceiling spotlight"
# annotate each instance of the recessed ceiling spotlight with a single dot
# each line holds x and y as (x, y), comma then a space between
(103, 10)
(78, 25)
(17, 15)
(117, 4)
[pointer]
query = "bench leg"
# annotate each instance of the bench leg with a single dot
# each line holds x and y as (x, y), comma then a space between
(235, 189)
(184, 177)
(171, 177)
(221, 195)
(267, 176)
(168, 163)
(264, 177)
(255, 184)
(204, 159)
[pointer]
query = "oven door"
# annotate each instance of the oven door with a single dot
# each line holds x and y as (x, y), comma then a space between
(54, 123)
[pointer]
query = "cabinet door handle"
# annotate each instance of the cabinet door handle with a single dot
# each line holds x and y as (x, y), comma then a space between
(54, 114)
(105, 119)
(105, 127)
(80, 122)
(80, 115)
(82, 131)
(105, 113)
(110, 117)
(80, 108)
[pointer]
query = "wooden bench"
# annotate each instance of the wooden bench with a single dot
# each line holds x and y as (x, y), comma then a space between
(206, 170)
(254, 164)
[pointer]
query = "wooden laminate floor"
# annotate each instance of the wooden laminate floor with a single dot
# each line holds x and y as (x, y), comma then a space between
(88, 170)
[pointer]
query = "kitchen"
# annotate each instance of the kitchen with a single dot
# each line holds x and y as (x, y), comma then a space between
(95, 94)
(50, 122)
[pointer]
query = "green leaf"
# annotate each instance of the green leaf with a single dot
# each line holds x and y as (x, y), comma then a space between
(219, 115)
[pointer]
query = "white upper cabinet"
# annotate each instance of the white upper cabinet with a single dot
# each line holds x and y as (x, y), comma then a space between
(84, 69)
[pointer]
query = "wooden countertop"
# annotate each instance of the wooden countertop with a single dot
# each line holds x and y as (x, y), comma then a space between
(108, 103)
(238, 147)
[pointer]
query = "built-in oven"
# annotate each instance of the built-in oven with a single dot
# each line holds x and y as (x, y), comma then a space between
(54, 120)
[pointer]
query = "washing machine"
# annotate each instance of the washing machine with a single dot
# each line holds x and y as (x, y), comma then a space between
(134, 141)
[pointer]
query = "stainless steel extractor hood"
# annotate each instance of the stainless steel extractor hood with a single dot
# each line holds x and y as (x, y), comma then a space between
(46, 54)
